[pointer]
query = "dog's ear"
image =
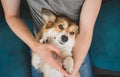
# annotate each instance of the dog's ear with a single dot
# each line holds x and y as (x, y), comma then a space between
(48, 15)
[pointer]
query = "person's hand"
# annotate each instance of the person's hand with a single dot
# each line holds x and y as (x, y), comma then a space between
(45, 51)
(71, 75)
(74, 75)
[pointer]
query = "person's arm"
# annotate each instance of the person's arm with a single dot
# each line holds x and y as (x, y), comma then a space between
(88, 17)
(11, 10)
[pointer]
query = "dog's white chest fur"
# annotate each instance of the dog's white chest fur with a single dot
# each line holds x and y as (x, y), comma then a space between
(52, 72)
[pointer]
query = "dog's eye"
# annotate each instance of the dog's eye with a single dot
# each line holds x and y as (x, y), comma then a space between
(60, 26)
(72, 33)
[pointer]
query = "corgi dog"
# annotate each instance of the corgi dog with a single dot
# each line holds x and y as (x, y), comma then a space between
(61, 32)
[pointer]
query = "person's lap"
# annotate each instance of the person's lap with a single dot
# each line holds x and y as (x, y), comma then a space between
(85, 69)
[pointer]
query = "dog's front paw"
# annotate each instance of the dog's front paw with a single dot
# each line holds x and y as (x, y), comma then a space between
(68, 64)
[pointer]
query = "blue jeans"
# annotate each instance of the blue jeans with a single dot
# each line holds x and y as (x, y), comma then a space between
(85, 69)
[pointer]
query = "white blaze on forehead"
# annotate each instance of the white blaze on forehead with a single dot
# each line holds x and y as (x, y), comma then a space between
(65, 24)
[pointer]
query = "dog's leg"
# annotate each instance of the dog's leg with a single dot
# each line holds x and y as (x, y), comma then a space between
(68, 64)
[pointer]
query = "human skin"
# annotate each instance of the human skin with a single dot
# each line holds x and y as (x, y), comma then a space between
(88, 16)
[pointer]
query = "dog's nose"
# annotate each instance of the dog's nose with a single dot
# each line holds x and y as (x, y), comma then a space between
(64, 38)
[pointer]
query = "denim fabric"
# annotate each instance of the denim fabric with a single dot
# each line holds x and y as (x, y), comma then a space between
(85, 69)
(36, 73)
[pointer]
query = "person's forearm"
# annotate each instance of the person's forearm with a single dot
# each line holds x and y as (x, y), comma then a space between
(81, 48)
(21, 30)
(88, 17)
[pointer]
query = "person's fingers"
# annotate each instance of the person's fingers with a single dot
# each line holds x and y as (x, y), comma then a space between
(69, 75)
(56, 65)
(55, 49)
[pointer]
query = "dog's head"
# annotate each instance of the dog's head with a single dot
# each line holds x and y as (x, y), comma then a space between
(60, 29)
